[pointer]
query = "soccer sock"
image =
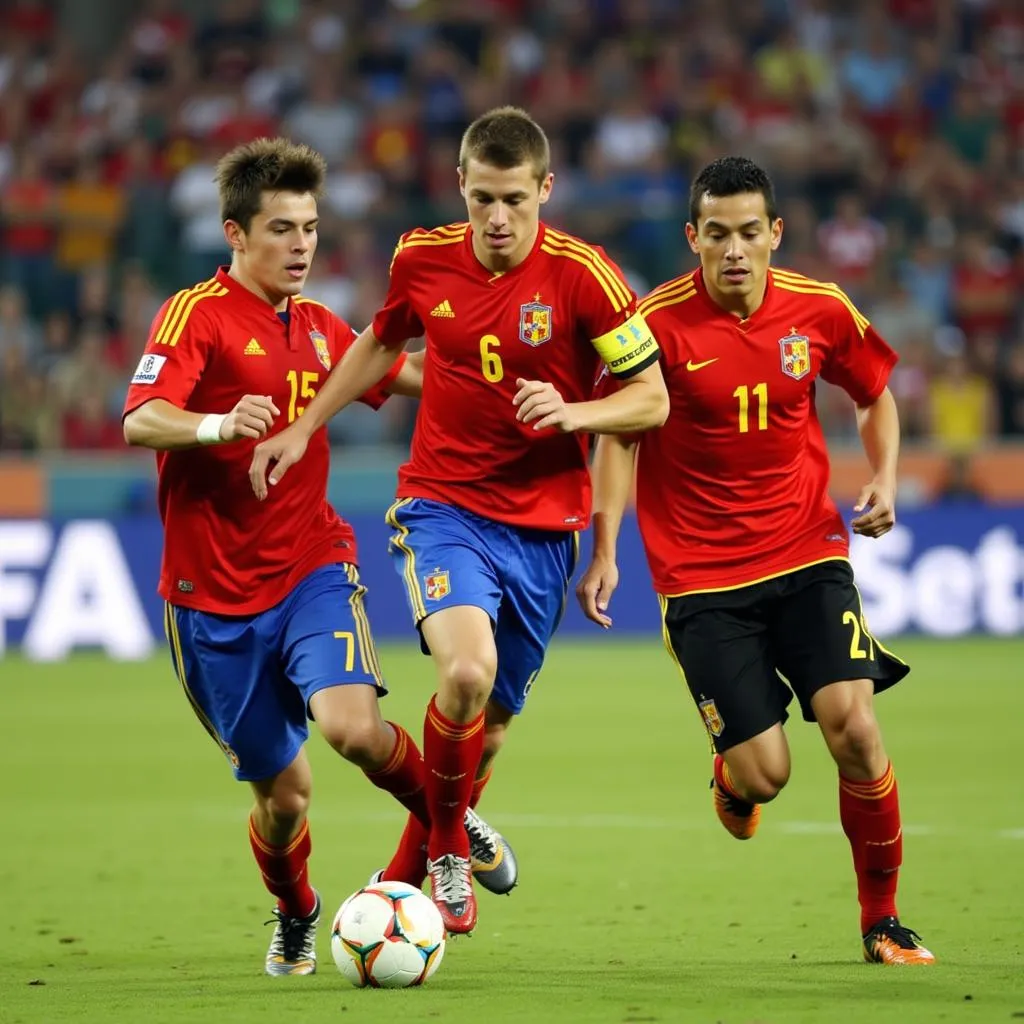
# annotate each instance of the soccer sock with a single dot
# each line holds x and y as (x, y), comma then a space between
(451, 751)
(478, 788)
(409, 864)
(285, 870)
(403, 776)
(724, 779)
(870, 813)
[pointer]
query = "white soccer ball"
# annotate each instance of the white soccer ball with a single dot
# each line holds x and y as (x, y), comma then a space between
(388, 935)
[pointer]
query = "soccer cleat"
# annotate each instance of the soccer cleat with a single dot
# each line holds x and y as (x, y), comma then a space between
(293, 947)
(493, 862)
(451, 889)
(377, 876)
(740, 817)
(889, 942)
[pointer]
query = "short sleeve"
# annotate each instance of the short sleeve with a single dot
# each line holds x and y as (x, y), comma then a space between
(396, 321)
(858, 359)
(344, 336)
(176, 352)
(615, 327)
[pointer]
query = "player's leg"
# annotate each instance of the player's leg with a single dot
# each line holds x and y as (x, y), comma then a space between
(719, 642)
(227, 667)
(446, 557)
(836, 666)
(328, 653)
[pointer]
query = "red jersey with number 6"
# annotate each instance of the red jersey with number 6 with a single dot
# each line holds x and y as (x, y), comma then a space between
(555, 317)
(733, 489)
(224, 551)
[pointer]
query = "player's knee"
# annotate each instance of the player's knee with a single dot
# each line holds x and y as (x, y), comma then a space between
(857, 740)
(284, 808)
(365, 742)
(466, 684)
(764, 783)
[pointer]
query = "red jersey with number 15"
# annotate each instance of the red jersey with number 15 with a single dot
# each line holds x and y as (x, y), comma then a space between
(555, 317)
(224, 551)
(733, 489)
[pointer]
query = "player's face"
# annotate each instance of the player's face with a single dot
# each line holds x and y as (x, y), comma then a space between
(273, 257)
(735, 240)
(504, 210)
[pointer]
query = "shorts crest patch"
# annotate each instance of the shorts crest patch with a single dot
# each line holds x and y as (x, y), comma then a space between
(437, 585)
(712, 719)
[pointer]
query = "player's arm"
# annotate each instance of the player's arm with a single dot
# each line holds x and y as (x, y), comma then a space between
(365, 363)
(612, 473)
(161, 425)
(879, 425)
(859, 361)
(179, 345)
(409, 381)
(639, 403)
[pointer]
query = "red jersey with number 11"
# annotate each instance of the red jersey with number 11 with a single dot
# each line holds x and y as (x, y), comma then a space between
(734, 487)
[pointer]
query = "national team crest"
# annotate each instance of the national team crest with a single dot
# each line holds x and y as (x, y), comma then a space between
(437, 585)
(712, 719)
(534, 323)
(323, 353)
(796, 355)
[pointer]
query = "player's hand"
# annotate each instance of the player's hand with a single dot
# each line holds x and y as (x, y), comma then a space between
(877, 505)
(541, 404)
(283, 450)
(252, 417)
(595, 590)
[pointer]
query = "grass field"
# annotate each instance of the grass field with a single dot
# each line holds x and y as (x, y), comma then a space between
(128, 892)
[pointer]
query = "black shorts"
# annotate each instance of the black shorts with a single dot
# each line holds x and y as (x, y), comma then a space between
(746, 652)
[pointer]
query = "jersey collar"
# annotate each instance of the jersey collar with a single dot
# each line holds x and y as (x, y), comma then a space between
(489, 275)
(253, 302)
(741, 324)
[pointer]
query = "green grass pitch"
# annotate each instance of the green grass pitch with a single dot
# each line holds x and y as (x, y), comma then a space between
(128, 892)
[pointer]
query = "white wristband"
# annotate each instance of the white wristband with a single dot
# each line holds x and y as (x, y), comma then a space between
(208, 431)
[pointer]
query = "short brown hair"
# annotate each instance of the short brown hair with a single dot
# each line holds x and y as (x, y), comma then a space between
(265, 165)
(506, 137)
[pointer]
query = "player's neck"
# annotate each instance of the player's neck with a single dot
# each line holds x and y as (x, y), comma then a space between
(740, 306)
(499, 263)
(238, 273)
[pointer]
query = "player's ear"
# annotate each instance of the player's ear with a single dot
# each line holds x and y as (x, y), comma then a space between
(234, 235)
(462, 182)
(545, 187)
(691, 237)
(776, 236)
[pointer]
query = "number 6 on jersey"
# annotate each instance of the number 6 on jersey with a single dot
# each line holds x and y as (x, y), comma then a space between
(490, 362)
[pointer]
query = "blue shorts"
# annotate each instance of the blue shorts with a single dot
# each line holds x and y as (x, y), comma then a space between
(249, 678)
(520, 577)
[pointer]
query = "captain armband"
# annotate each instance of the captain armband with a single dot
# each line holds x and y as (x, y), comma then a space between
(629, 348)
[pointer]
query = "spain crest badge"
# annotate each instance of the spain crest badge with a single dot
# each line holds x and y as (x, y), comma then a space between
(534, 323)
(437, 585)
(323, 353)
(796, 355)
(712, 719)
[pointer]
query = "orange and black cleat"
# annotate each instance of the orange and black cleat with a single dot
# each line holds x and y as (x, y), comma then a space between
(889, 942)
(740, 817)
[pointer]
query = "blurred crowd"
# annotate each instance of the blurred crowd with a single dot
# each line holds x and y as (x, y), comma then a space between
(894, 130)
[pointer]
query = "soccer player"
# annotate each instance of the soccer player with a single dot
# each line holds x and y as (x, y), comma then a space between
(748, 554)
(518, 319)
(264, 612)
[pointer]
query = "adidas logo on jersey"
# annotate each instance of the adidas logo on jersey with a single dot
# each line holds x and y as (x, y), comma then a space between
(254, 348)
(443, 309)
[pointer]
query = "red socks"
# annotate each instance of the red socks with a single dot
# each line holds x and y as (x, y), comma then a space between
(870, 813)
(451, 752)
(285, 870)
(404, 775)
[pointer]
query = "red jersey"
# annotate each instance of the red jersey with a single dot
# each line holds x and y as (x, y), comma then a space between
(734, 487)
(224, 551)
(554, 317)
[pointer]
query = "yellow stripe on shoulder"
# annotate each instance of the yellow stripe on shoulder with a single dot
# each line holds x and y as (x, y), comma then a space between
(180, 309)
(808, 286)
(670, 293)
(304, 300)
(568, 245)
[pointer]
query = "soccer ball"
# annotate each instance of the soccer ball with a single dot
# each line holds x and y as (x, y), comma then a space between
(388, 935)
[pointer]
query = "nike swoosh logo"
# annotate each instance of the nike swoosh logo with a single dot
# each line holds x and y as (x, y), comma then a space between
(691, 365)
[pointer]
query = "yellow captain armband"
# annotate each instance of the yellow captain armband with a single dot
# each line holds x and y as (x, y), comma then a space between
(629, 348)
